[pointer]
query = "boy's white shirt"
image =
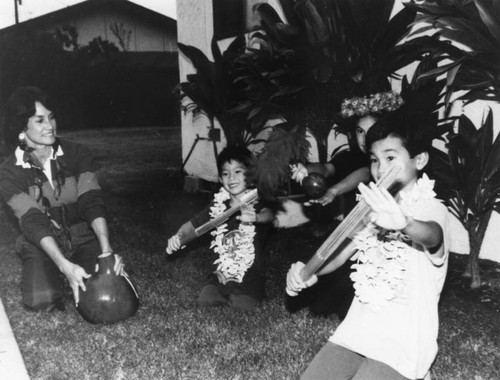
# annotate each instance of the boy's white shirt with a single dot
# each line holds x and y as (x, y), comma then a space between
(403, 334)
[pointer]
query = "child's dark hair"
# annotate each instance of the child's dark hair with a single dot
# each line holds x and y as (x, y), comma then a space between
(237, 153)
(415, 138)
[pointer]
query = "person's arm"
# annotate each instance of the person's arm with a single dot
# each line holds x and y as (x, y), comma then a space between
(294, 281)
(174, 243)
(73, 272)
(265, 215)
(300, 171)
(429, 234)
(100, 228)
(326, 170)
(248, 215)
(349, 183)
(387, 214)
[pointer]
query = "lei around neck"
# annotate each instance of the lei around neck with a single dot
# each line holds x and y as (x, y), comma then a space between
(235, 248)
(382, 256)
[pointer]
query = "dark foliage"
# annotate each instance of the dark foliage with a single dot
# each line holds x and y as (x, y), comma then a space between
(211, 90)
(323, 52)
(94, 85)
(472, 182)
(474, 64)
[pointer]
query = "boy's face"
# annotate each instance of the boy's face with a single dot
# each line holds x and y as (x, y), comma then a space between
(389, 152)
(233, 178)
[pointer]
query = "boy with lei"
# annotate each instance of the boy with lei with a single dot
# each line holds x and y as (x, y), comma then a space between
(401, 258)
(345, 171)
(238, 278)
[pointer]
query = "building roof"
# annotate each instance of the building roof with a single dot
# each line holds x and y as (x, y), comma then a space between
(84, 7)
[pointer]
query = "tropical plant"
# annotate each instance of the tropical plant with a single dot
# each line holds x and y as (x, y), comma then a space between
(473, 188)
(466, 47)
(305, 66)
(473, 60)
(211, 91)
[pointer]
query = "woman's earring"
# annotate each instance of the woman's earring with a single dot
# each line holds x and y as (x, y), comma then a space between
(22, 136)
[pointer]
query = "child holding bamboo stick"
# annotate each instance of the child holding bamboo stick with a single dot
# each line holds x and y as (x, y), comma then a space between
(401, 257)
(238, 278)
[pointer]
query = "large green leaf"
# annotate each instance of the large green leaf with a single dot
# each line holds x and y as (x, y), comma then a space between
(396, 29)
(489, 11)
(288, 10)
(474, 24)
(199, 60)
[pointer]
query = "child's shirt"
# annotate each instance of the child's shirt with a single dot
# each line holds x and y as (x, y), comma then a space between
(400, 326)
(252, 283)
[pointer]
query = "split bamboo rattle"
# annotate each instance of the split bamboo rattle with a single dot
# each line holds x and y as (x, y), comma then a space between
(354, 221)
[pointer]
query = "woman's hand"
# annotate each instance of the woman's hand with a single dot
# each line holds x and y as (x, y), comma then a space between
(119, 266)
(328, 198)
(294, 282)
(174, 244)
(76, 276)
(386, 213)
(299, 172)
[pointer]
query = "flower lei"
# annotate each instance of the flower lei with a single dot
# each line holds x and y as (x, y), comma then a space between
(373, 104)
(234, 259)
(381, 257)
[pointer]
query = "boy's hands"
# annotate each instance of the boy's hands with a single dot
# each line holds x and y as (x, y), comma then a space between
(220, 276)
(386, 212)
(174, 243)
(248, 214)
(294, 283)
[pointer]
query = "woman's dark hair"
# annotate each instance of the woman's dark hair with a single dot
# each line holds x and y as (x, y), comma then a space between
(20, 107)
(236, 153)
(415, 138)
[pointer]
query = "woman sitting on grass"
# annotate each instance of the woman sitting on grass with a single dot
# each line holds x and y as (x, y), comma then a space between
(51, 186)
(238, 278)
(391, 329)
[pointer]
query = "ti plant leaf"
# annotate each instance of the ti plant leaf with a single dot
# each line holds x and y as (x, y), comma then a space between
(474, 28)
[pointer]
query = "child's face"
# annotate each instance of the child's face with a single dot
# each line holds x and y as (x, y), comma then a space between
(389, 152)
(233, 178)
(362, 127)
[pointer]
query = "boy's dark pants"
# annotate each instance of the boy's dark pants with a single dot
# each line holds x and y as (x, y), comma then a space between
(42, 284)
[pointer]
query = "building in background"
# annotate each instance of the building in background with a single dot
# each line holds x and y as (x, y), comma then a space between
(111, 63)
(143, 29)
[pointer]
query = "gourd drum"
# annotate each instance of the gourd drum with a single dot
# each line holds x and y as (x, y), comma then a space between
(109, 297)
(314, 185)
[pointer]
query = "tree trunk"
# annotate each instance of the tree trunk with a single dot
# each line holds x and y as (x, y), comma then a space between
(477, 231)
(322, 150)
(212, 128)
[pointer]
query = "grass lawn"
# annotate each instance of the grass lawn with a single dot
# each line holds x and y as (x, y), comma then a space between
(170, 337)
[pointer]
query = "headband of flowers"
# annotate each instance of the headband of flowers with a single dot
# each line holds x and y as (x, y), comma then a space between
(373, 104)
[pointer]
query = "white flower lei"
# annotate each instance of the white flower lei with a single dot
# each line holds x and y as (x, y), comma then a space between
(381, 259)
(234, 260)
